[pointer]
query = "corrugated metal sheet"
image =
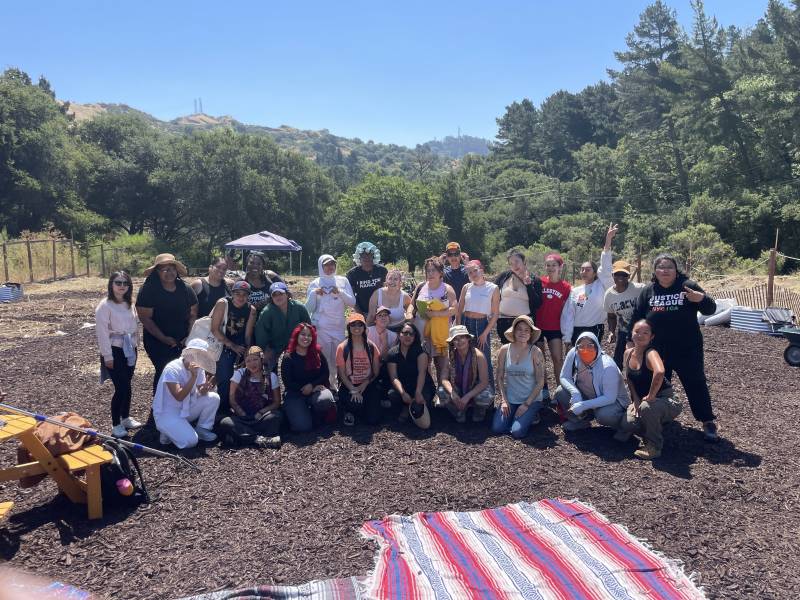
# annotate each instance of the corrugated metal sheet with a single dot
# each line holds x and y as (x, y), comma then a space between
(10, 293)
(749, 319)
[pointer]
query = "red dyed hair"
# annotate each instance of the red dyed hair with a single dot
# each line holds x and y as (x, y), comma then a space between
(313, 360)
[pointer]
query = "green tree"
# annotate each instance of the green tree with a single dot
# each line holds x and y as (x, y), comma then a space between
(517, 131)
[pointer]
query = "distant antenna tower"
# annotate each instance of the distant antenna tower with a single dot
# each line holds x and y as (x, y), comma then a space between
(201, 107)
(195, 106)
(459, 132)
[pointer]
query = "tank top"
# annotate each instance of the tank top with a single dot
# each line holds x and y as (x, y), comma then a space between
(514, 303)
(236, 326)
(478, 298)
(520, 377)
(208, 297)
(397, 314)
(642, 378)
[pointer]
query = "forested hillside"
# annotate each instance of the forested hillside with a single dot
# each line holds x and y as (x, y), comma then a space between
(693, 144)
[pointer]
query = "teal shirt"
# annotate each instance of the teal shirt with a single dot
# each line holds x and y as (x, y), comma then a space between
(273, 328)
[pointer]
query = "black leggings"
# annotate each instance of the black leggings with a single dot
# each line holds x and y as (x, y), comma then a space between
(370, 409)
(598, 330)
(687, 362)
(159, 354)
(121, 376)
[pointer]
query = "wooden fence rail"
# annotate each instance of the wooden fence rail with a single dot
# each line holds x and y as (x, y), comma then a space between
(756, 297)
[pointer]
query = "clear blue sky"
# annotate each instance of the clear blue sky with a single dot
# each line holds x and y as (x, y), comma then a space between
(401, 72)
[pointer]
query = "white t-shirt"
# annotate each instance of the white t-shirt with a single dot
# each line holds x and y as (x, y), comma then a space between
(623, 303)
(478, 298)
(175, 372)
(239, 373)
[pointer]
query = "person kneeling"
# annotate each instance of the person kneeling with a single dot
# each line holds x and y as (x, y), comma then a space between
(304, 376)
(255, 400)
(466, 382)
(183, 395)
(520, 378)
(653, 404)
(358, 365)
(591, 386)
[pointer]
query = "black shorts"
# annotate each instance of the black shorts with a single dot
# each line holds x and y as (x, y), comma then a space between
(551, 334)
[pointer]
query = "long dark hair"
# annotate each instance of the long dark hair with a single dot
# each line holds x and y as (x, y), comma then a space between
(128, 294)
(417, 343)
(679, 275)
(313, 360)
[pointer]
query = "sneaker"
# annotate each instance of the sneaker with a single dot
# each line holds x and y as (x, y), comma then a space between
(205, 435)
(349, 419)
(131, 423)
(163, 439)
(268, 442)
(119, 431)
(478, 414)
(710, 431)
(648, 452)
(576, 425)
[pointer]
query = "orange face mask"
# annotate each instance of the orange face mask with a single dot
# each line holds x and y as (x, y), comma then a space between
(587, 355)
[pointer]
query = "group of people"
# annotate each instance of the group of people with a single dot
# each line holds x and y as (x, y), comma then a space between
(361, 346)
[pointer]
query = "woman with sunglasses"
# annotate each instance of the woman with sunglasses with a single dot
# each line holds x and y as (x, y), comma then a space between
(670, 303)
(117, 329)
(358, 365)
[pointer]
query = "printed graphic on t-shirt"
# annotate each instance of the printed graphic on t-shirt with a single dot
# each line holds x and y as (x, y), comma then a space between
(551, 293)
(368, 283)
(235, 325)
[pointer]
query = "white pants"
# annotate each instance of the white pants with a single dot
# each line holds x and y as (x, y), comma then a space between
(328, 340)
(179, 429)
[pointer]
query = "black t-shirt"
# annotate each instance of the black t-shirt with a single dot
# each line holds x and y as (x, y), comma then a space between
(364, 284)
(407, 370)
(170, 309)
(457, 278)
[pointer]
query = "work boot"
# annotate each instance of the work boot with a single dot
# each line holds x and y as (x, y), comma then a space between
(648, 452)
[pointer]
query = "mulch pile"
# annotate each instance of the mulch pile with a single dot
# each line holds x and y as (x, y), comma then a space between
(729, 511)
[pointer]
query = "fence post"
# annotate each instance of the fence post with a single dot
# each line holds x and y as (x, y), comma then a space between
(102, 261)
(638, 265)
(55, 267)
(72, 255)
(5, 260)
(30, 261)
(88, 247)
(771, 277)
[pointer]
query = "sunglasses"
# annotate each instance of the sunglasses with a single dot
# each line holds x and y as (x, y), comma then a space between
(407, 333)
(121, 283)
(356, 324)
(454, 254)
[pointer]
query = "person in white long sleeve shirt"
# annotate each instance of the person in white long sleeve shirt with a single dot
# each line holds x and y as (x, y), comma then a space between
(328, 296)
(117, 329)
(584, 310)
(592, 387)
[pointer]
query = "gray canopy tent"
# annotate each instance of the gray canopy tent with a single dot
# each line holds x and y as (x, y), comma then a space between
(266, 240)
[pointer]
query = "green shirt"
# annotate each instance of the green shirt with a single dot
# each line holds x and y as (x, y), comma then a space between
(274, 328)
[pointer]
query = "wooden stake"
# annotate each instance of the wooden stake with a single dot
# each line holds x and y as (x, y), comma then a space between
(55, 269)
(102, 261)
(30, 261)
(72, 256)
(773, 254)
(5, 260)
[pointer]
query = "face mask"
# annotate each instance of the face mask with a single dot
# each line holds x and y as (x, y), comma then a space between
(587, 355)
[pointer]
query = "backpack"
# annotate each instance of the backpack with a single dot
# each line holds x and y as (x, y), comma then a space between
(123, 466)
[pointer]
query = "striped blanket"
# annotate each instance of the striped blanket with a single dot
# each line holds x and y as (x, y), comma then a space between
(324, 589)
(553, 549)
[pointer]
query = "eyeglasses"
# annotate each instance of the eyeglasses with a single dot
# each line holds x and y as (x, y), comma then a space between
(121, 283)
(407, 333)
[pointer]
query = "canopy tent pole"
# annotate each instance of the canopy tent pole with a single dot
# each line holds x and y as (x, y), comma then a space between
(301, 262)
(290, 263)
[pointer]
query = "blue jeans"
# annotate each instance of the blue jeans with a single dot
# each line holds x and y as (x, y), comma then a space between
(518, 428)
(476, 327)
(301, 411)
(225, 364)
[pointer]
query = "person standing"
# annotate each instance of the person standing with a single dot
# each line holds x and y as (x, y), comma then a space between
(455, 272)
(584, 309)
(392, 296)
(167, 308)
(367, 275)
(277, 321)
(329, 295)
(260, 280)
(211, 288)
(520, 292)
(670, 303)
(117, 330)
(555, 293)
(232, 323)
(619, 302)
(478, 309)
